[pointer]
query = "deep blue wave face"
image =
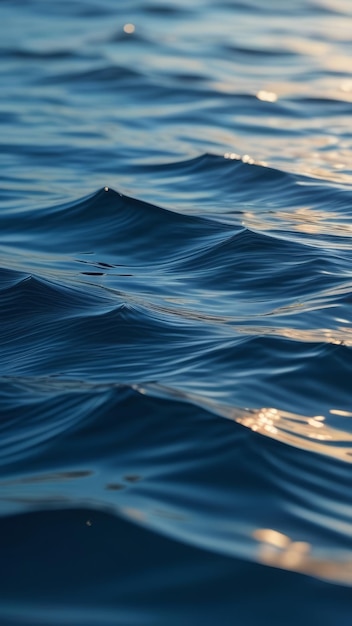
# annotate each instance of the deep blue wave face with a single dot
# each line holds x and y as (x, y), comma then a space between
(175, 288)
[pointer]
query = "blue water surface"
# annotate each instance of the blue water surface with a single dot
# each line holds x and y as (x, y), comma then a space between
(176, 328)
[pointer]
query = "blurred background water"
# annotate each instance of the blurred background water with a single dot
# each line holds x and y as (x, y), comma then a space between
(176, 287)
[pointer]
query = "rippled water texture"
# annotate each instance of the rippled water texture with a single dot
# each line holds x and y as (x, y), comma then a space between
(176, 330)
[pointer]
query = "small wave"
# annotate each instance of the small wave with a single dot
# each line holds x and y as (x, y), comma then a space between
(145, 480)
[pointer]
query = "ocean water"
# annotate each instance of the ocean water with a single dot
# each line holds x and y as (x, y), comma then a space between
(176, 326)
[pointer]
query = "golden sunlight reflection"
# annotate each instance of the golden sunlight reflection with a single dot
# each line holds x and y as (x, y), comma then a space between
(311, 116)
(346, 86)
(341, 413)
(129, 29)
(324, 157)
(341, 336)
(302, 220)
(245, 158)
(306, 432)
(278, 550)
(311, 433)
(233, 156)
(248, 159)
(267, 96)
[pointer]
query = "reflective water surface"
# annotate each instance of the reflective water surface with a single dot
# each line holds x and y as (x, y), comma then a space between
(175, 380)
